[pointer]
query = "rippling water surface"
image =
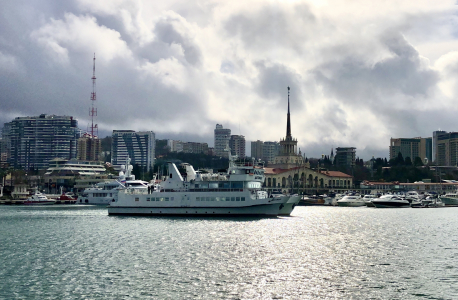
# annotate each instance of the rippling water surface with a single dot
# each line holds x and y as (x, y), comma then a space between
(79, 252)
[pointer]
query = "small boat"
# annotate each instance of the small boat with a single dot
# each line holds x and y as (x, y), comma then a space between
(390, 201)
(351, 201)
(38, 199)
(66, 198)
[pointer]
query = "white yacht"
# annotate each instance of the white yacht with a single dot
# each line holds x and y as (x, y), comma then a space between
(390, 201)
(351, 200)
(450, 199)
(238, 192)
(105, 192)
(38, 199)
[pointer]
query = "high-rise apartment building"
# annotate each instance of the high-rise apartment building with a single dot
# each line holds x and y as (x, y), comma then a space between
(237, 145)
(256, 149)
(436, 134)
(447, 149)
(89, 148)
(3, 154)
(33, 141)
(270, 150)
(222, 137)
(345, 156)
(138, 146)
(411, 147)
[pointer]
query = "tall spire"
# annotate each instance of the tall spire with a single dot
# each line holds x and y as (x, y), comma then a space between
(288, 122)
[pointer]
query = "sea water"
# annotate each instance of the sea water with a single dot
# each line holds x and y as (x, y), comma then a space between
(79, 252)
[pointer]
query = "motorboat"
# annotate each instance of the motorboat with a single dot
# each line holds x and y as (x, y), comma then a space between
(38, 199)
(390, 201)
(351, 200)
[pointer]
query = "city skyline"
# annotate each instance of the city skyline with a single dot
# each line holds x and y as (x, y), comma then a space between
(359, 73)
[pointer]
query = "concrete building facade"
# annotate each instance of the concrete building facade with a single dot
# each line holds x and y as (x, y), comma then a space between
(412, 147)
(222, 137)
(447, 149)
(33, 141)
(237, 145)
(345, 156)
(89, 148)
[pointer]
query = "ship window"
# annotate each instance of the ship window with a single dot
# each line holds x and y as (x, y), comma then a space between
(237, 185)
(197, 198)
(213, 185)
(208, 199)
(166, 198)
(171, 198)
(232, 199)
(148, 199)
(204, 186)
(215, 199)
(222, 199)
(237, 199)
(161, 199)
(243, 198)
(137, 199)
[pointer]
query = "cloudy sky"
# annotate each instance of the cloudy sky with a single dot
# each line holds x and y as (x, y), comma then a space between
(360, 72)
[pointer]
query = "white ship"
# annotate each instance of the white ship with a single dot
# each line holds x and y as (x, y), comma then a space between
(238, 192)
(105, 192)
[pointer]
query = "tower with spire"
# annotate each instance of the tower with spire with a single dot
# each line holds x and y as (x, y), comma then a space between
(288, 157)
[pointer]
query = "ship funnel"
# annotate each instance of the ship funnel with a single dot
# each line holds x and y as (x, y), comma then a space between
(190, 172)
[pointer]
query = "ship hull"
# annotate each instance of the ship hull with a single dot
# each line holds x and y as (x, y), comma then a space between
(255, 210)
(288, 207)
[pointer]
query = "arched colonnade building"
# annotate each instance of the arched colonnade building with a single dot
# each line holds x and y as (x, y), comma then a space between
(303, 179)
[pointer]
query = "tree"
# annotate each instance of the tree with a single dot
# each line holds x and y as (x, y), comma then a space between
(408, 161)
(418, 162)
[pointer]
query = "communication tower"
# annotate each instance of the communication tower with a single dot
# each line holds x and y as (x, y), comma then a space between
(93, 129)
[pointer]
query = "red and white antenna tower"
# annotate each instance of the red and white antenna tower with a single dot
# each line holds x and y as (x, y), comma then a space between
(93, 110)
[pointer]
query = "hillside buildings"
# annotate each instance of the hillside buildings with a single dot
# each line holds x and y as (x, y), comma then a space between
(187, 147)
(138, 146)
(33, 141)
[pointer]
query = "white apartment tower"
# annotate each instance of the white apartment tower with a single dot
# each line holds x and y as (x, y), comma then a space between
(138, 146)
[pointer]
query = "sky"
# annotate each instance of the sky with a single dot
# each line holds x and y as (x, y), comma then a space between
(360, 72)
